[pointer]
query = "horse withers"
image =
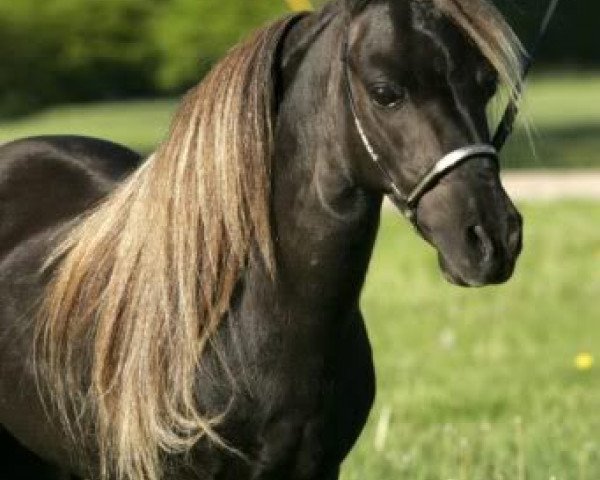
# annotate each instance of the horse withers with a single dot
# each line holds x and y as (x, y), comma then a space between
(195, 314)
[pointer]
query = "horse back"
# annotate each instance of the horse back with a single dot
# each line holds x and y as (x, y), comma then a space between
(48, 180)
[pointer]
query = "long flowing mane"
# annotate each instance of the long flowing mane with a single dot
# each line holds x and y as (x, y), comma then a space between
(145, 278)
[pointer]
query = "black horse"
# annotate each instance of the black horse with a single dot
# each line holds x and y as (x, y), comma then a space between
(196, 314)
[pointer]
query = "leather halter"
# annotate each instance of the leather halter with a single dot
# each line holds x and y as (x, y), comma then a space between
(408, 203)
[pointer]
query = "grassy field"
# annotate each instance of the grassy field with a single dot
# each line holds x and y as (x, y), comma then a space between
(138, 124)
(564, 111)
(481, 384)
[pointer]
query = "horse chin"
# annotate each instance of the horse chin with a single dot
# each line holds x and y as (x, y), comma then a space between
(453, 277)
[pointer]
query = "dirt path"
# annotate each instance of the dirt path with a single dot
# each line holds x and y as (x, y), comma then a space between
(550, 185)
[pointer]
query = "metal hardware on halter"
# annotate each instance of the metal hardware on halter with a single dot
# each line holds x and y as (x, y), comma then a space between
(408, 204)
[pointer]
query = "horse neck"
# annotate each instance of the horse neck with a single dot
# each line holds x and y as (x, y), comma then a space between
(325, 225)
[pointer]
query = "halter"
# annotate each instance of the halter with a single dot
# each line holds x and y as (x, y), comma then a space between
(408, 204)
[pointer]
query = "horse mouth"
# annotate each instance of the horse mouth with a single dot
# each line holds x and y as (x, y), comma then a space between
(453, 276)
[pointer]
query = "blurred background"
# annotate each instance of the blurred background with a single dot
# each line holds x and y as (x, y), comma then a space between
(493, 384)
(119, 64)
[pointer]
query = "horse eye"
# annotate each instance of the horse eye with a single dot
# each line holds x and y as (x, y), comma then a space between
(487, 79)
(387, 95)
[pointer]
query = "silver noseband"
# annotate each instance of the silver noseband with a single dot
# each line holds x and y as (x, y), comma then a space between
(444, 166)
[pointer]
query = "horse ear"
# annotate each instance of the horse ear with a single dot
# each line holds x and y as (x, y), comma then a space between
(301, 34)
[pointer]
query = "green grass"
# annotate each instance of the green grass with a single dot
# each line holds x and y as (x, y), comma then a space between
(138, 124)
(563, 109)
(564, 112)
(481, 384)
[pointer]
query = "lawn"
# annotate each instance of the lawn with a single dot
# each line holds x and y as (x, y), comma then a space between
(564, 111)
(481, 384)
(138, 124)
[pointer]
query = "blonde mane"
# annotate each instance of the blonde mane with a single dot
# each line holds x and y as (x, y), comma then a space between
(141, 283)
(494, 37)
(145, 278)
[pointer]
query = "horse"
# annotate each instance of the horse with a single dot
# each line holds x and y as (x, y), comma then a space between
(196, 314)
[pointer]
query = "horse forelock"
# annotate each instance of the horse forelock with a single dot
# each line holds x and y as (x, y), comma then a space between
(141, 284)
(483, 23)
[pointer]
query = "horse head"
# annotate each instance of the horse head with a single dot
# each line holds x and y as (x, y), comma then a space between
(418, 76)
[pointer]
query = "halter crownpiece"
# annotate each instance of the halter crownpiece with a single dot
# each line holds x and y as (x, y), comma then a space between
(408, 204)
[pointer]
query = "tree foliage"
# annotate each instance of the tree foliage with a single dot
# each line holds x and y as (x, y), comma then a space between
(59, 50)
(572, 39)
(73, 50)
(191, 34)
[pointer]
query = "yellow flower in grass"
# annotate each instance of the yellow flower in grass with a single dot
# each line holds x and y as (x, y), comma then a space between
(299, 5)
(584, 362)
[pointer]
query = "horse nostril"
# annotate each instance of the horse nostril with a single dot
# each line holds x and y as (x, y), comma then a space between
(480, 242)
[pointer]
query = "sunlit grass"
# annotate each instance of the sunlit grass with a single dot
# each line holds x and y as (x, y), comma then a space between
(138, 124)
(564, 111)
(556, 100)
(484, 384)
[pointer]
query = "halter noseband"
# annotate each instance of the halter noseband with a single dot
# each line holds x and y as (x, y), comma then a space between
(408, 204)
